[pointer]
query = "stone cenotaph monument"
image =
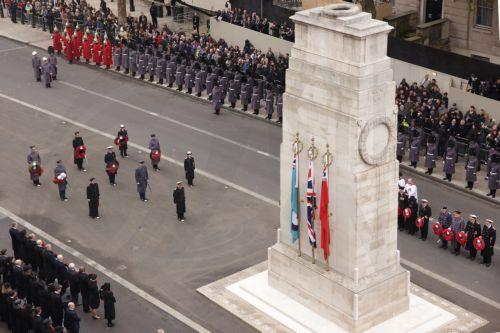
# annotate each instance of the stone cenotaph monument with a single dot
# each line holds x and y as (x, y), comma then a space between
(339, 91)
(339, 119)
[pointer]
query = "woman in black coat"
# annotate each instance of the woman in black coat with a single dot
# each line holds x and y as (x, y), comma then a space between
(94, 300)
(109, 303)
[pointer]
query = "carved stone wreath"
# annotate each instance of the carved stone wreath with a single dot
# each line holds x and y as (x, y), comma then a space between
(385, 154)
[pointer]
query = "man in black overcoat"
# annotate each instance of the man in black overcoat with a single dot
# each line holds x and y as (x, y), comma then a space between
(180, 201)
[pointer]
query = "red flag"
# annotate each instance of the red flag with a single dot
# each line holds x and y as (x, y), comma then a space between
(323, 215)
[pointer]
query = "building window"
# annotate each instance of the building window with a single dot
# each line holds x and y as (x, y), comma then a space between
(484, 13)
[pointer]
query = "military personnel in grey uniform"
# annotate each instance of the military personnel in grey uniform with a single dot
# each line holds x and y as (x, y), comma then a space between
(34, 163)
(245, 92)
(179, 75)
(217, 96)
(53, 63)
(154, 144)
(203, 73)
(151, 65)
(255, 98)
(279, 105)
(46, 67)
(415, 148)
(449, 160)
(494, 177)
(473, 145)
(171, 69)
(231, 96)
(141, 179)
(224, 84)
(237, 84)
(125, 57)
(133, 60)
(62, 181)
(37, 66)
(161, 67)
(430, 154)
(142, 64)
(198, 84)
(117, 57)
(189, 79)
(269, 106)
(493, 151)
(210, 82)
(400, 143)
(471, 169)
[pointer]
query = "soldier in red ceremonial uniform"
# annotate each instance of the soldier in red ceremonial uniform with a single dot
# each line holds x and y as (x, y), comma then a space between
(77, 47)
(56, 41)
(121, 141)
(87, 47)
(107, 57)
(80, 151)
(97, 51)
(69, 30)
(79, 34)
(112, 165)
(68, 49)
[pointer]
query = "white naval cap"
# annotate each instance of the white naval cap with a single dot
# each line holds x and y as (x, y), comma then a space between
(122, 126)
(44, 58)
(473, 216)
(109, 147)
(34, 53)
(189, 152)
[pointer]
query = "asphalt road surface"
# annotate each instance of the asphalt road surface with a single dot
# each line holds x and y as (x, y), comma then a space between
(232, 210)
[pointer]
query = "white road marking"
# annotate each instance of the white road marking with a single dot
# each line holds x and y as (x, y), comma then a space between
(450, 283)
(13, 49)
(263, 153)
(143, 148)
(197, 129)
(92, 263)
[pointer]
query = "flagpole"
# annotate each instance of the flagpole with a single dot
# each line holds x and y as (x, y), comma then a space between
(312, 153)
(327, 161)
(297, 147)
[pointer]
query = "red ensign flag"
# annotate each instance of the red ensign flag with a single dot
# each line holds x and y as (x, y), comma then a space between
(323, 215)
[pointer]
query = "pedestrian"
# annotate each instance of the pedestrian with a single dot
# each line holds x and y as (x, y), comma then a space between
(80, 151)
(161, 67)
(112, 165)
(494, 177)
(279, 105)
(196, 22)
(74, 283)
(489, 236)
(415, 148)
(117, 56)
(93, 198)
(189, 167)
(179, 74)
(445, 219)
(168, 6)
(109, 301)
(34, 165)
(133, 59)
(410, 221)
(71, 319)
(155, 153)
(457, 225)
(83, 280)
(255, 98)
(269, 106)
(180, 201)
(125, 56)
(16, 241)
(121, 141)
(431, 154)
(55, 304)
(153, 11)
(37, 66)
(411, 189)
(473, 230)
(61, 179)
(231, 96)
(425, 212)
(141, 179)
(449, 160)
(94, 300)
(492, 152)
(402, 204)
(56, 41)
(471, 169)
(46, 69)
(151, 65)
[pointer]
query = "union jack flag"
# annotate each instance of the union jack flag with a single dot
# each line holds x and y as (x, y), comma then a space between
(311, 205)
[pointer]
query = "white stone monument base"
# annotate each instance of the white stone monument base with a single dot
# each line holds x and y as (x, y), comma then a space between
(248, 296)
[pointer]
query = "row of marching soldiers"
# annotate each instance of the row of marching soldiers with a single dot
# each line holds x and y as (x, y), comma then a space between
(449, 227)
(183, 71)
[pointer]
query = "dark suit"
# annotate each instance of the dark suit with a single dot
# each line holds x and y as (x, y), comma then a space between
(72, 321)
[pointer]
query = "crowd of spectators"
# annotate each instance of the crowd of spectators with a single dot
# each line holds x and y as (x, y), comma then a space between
(243, 18)
(485, 87)
(423, 105)
(40, 291)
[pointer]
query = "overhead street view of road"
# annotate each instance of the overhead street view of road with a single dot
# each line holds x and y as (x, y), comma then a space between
(232, 209)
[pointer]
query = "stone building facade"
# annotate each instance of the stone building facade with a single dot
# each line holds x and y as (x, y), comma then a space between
(474, 24)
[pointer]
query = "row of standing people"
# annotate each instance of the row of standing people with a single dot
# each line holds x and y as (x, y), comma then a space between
(37, 282)
(450, 158)
(416, 217)
(111, 168)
